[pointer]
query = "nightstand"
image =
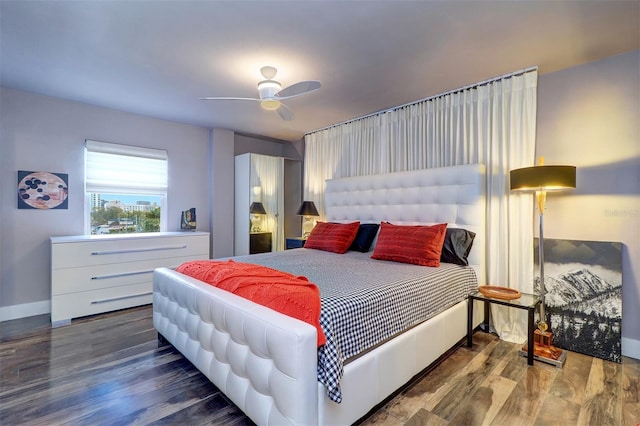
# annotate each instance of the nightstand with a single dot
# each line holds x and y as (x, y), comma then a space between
(259, 242)
(528, 302)
(295, 242)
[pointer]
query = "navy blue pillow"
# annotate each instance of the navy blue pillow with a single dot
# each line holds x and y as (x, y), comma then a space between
(365, 236)
(457, 245)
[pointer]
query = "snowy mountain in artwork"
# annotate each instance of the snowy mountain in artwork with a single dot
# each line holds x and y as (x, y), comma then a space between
(583, 297)
(583, 291)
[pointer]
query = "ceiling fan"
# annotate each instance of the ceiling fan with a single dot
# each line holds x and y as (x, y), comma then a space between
(272, 94)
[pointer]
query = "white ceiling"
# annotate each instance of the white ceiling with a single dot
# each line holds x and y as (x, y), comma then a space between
(158, 58)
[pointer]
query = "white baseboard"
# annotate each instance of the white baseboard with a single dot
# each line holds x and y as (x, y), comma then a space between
(631, 348)
(25, 310)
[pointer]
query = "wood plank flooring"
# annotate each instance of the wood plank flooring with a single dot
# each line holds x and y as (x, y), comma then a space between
(110, 370)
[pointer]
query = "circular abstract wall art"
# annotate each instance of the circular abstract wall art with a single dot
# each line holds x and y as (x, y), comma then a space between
(42, 190)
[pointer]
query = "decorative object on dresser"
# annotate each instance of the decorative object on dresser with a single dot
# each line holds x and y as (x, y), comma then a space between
(43, 190)
(91, 274)
(256, 210)
(541, 179)
(307, 209)
(583, 281)
(188, 220)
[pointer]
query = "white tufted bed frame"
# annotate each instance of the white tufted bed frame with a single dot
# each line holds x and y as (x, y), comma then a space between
(265, 362)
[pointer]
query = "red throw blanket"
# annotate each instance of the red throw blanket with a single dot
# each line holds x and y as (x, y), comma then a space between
(286, 293)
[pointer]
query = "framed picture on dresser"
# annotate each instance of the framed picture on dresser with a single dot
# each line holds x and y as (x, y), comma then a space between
(583, 280)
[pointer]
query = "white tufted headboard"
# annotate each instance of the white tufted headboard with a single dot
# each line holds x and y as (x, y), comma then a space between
(453, 195)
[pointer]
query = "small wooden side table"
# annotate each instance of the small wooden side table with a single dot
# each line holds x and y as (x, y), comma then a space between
(528, 302)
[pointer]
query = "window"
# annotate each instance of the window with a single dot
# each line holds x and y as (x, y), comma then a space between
(125, 188)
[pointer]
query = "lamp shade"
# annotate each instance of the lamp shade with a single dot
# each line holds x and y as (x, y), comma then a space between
(257, 208)
(307, 208)
(543, 178)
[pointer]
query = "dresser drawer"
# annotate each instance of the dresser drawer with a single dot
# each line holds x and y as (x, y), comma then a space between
(67, 306)
(87, 253)
(70, 280)
(90, 274)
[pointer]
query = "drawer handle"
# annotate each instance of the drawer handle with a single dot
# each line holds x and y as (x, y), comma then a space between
(100, 253)
(123, 274)
(114, 299)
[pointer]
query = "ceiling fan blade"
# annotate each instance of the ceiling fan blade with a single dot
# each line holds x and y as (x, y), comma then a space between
(285, 113)
(298, 89)
(230, 98)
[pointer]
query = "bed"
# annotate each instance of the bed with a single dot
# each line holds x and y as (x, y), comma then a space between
(266, 362)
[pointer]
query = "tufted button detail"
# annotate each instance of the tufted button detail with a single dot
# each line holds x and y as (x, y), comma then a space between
(257, 357)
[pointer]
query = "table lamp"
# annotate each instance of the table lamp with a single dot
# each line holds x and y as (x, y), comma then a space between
(255, 210)
(307, 209)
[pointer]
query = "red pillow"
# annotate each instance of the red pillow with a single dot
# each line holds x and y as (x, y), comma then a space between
(420, 245)
(334, 237)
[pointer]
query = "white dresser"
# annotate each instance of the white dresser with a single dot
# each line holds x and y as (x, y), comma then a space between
(91, 274)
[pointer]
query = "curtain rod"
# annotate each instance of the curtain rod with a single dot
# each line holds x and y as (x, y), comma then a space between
(461, 89)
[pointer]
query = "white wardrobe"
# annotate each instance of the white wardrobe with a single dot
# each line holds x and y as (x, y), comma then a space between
(276, 183)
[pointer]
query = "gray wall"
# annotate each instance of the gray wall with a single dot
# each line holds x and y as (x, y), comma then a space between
(589, 116)
(257, 145)
(265, 146)
(40, 133)
(222, 190)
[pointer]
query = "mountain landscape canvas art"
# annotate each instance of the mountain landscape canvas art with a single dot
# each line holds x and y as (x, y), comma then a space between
(583, 282)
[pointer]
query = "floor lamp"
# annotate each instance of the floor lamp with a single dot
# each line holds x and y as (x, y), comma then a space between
(542, 179)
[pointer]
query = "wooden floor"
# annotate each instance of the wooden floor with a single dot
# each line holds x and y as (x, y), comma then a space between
(111, 370)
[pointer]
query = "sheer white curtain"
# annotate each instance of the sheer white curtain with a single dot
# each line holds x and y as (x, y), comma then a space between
(492, 123)
(267, 181)
(352, 149)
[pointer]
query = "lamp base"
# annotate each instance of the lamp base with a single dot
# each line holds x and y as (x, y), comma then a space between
(544, 351)
(307, 226)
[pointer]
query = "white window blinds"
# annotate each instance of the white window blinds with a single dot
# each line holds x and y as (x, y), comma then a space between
(124, 169)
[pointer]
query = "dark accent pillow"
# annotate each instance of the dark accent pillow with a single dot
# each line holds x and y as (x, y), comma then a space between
(457, 246)
(334, 237)
(365, 236)
(420, 245)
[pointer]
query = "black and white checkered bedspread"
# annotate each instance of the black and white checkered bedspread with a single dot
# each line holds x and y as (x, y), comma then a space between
(366, 301)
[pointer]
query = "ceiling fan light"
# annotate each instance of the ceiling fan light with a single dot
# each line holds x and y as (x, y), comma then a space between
(270, 104)
(268, 88)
